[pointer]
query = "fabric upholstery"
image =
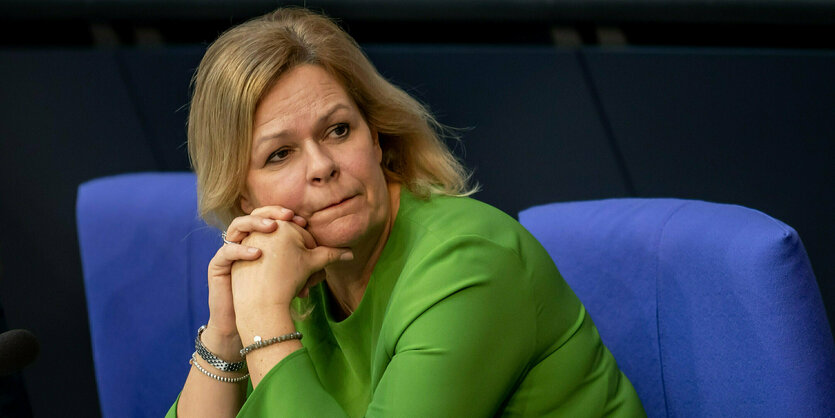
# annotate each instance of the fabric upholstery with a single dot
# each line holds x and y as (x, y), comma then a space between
(709, 309)
(144, 253)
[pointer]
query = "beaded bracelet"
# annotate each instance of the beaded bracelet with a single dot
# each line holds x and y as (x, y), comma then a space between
(263, 343)
(214, 376)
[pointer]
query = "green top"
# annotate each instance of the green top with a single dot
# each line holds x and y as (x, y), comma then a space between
(465, 314)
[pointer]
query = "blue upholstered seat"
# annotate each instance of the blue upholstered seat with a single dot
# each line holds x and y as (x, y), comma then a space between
(144, 252)
(711, 310)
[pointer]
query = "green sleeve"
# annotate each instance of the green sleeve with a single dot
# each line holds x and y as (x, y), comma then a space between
(291, 388)
(470, 333)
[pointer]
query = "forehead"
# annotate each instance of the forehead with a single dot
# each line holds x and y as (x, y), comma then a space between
(301, 93)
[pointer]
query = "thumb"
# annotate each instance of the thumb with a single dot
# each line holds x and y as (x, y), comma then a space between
(321, 256)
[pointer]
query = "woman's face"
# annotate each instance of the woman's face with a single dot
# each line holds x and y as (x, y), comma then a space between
(313, 152)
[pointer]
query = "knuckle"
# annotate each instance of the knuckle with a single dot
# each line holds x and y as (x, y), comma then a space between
(235, 225)
(278, 212)
(232, 251)
(219, 255)
(224, 252)
(237, 221)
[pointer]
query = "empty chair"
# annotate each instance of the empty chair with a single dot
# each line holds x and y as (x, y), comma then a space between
(709, 309)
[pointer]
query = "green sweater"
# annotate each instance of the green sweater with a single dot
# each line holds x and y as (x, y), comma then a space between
(465, 314)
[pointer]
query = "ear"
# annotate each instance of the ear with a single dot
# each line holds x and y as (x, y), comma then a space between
(246, 205)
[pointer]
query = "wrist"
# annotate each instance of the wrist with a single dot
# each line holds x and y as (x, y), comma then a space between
(222, 329)
(224, 345)
(266, 326)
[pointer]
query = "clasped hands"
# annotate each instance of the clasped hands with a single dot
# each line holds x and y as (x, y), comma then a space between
(256, 280)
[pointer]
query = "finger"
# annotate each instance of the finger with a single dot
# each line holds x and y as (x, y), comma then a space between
(321, 256)
(274, 212)
(244, 225)
(298, 220)
(231, 253)
(309, 241)
(280, 214)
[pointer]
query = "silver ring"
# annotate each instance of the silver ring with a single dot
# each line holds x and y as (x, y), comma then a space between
(226, 241)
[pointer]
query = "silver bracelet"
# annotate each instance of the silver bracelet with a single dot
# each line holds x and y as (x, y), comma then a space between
(263, 343)
(211, 358)
(214, 376)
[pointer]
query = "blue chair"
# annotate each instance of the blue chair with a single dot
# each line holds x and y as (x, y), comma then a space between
(144, 253)
(709, 309)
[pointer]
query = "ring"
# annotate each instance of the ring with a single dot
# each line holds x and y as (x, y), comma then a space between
(226, 241)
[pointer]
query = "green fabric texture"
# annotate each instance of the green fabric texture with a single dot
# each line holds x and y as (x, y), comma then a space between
(465, 314)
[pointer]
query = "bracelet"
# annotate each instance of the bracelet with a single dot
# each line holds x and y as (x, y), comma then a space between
(214, 376)
(212, 359)
(263, 343)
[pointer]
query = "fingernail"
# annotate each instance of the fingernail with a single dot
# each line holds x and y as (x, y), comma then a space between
(285, 211)
(252, 250)
(347, 256)
(267, 221)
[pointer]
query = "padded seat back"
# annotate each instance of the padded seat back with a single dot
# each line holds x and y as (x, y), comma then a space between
(709, 309)
(144, 253)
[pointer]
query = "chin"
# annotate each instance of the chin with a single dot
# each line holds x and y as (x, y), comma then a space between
(337, 234)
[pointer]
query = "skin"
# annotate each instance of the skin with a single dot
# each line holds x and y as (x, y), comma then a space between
(318, 208)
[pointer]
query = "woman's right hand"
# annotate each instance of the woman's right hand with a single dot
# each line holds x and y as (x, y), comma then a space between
(221, 309)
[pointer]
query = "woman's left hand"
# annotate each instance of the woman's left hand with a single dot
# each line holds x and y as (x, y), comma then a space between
(264, 288)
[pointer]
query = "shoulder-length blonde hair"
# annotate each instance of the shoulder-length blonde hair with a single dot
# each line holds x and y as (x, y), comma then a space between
(244, 63)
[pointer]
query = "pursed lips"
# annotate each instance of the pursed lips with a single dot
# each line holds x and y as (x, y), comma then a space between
(336, 203)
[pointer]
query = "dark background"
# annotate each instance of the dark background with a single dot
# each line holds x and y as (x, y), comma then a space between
(727, 101)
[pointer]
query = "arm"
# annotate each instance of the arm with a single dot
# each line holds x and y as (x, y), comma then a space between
(471, 339)
(202, 395)
(206, 397)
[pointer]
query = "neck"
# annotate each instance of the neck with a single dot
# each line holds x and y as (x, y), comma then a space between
(347, 281)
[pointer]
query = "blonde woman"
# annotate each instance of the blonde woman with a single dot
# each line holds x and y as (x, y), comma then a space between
(356, 279)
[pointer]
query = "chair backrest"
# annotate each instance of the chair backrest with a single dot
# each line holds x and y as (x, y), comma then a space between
(709, 309)
(144, 253)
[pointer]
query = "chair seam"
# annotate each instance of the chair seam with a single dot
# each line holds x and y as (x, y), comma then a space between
(682, 204)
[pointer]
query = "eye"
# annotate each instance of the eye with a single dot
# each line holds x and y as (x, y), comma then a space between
(279, 155)
(340, 131)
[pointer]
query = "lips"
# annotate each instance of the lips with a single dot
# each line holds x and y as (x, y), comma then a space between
(337, 204)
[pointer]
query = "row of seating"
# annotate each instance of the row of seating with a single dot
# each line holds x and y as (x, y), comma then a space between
(709, 309)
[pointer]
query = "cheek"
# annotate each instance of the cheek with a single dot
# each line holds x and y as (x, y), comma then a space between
(366, 170)
(283, 191)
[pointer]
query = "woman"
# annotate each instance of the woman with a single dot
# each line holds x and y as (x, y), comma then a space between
(345, 226)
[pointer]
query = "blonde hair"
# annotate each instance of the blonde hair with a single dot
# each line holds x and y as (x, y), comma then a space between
(244, 63)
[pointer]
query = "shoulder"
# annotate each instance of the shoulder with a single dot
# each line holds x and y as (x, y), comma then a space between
(458, 242)
(447, 218)
(467, 225)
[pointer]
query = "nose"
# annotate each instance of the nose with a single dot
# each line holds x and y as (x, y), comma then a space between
(321, 167)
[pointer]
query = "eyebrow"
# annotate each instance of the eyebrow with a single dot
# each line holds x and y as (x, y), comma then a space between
(319, 121)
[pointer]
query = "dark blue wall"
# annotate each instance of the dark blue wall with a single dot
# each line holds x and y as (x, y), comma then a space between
(751, 127)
